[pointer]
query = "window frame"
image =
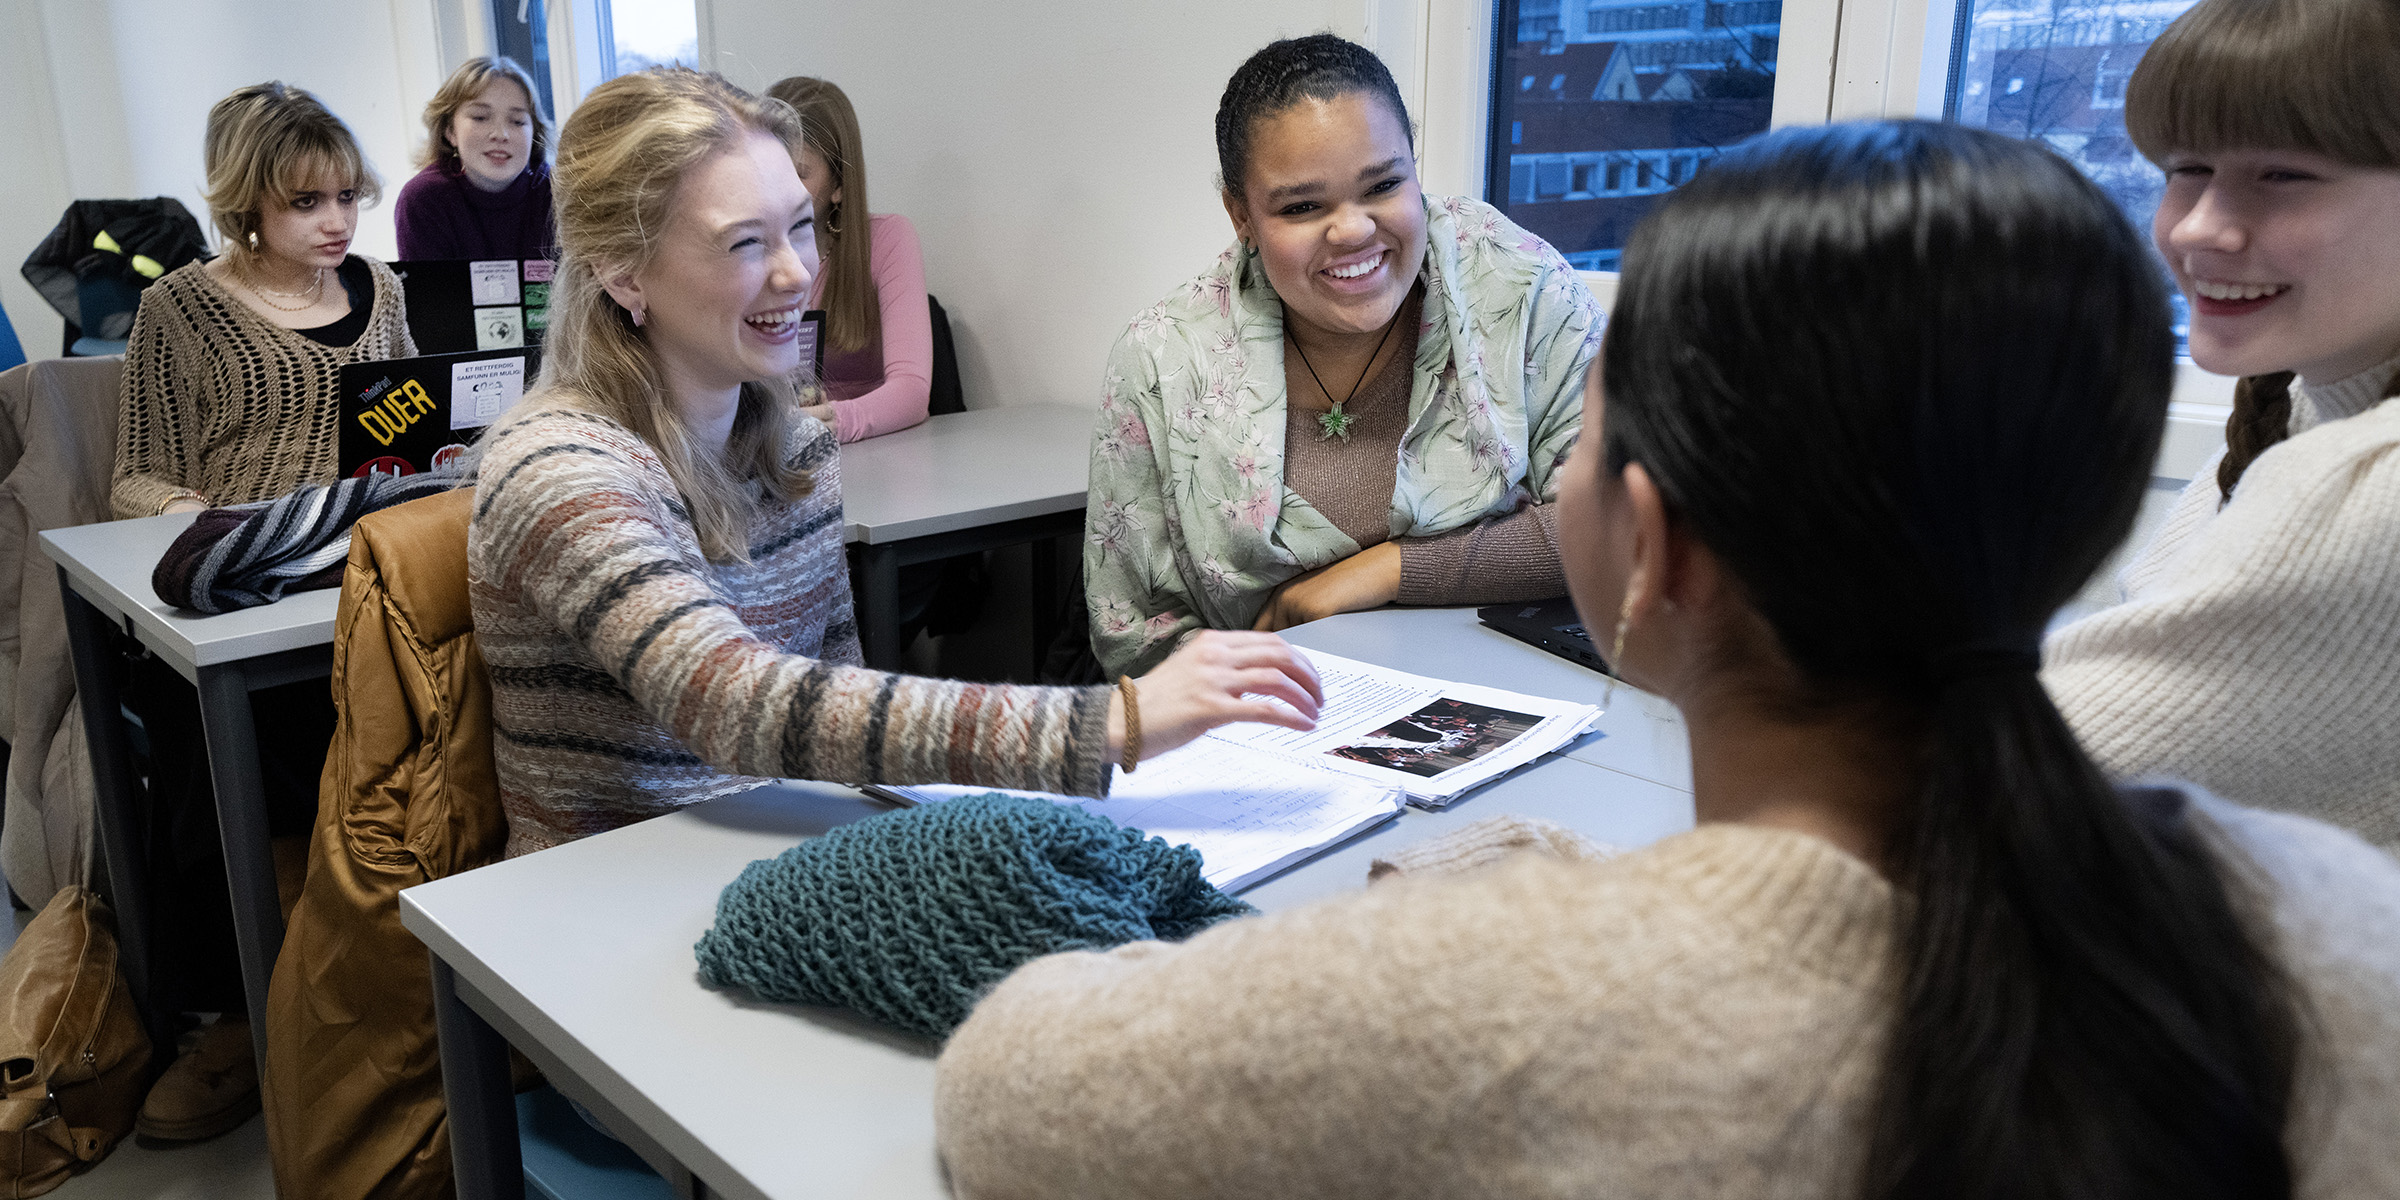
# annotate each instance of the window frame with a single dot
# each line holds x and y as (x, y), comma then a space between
(1838, 60)
(1446, 73)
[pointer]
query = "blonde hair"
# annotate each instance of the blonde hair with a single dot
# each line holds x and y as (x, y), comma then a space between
(2320, 76)
(466, 83)
(267, 143)
(621, 160)
(853, 309)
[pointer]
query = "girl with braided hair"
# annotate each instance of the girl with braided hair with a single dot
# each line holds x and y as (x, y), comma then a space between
(2258, 648)
(1365, 401)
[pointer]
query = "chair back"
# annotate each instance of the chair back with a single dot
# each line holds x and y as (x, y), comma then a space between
(947, 396)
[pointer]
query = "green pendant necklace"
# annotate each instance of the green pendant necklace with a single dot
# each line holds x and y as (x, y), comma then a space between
(1334, 422)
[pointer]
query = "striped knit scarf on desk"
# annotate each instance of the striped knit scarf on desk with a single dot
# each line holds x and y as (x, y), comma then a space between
(247, 555)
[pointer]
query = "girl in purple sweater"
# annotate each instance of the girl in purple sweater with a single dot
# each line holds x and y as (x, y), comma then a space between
(878, 361)
(484, 190)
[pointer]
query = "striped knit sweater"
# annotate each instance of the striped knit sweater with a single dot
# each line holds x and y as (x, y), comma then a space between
(632, 676)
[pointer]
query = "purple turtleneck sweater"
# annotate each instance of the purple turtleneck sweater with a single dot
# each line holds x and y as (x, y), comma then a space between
(443, 215)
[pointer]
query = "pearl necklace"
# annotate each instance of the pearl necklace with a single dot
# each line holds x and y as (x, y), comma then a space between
(315, 293)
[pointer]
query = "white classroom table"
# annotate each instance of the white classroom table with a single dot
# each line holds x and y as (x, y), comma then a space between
(104, 576)
(958, 484)
(581, 957)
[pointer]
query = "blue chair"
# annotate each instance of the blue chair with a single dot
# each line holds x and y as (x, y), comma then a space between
(12, 352)
(567, 1159)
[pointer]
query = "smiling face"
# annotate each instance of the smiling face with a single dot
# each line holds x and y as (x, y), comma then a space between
(493, 134)
(721, 296)
(1332, 202)
(2291, 261)
(311, 227)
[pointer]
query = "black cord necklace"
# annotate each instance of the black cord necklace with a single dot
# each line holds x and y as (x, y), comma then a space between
(1334, 422)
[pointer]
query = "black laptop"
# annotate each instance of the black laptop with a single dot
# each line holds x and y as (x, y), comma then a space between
(1549, 624)
(406, 415)
(455, 305)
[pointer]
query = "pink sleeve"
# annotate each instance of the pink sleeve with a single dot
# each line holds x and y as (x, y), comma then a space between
(907, 339)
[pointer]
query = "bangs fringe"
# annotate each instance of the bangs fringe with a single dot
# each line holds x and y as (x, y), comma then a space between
(2320, 76)
(314, 155)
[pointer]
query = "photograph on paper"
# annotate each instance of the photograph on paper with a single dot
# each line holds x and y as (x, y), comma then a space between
(1444, 734)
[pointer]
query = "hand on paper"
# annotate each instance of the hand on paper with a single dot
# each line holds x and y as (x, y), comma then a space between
(822, 412)
(1367, 579)
(1218, 678)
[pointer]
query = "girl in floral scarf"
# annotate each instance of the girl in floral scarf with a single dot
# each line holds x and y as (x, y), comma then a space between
(1364, 402)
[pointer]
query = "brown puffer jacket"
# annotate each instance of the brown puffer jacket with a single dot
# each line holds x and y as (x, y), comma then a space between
(353, 1084)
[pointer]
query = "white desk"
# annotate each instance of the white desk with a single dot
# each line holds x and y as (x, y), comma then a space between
(581, 956)
(1640, 735)
(104, 572)
(958, 484)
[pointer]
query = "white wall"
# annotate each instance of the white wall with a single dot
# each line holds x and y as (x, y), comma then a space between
(1058, 159)
(108, 98)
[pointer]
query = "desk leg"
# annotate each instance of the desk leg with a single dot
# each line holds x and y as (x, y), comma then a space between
(879, 606)
(233, 770)
(484, 1153)
(122, 803)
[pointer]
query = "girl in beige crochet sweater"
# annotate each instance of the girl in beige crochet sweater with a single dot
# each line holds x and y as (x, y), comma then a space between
(2258, 648)
(233, 368)
(1877, 400)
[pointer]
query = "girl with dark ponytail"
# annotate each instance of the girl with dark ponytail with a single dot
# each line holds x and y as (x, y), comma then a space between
(2258, 650)
(1875, 400)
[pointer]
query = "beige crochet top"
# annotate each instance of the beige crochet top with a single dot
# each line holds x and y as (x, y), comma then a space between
(223, 406)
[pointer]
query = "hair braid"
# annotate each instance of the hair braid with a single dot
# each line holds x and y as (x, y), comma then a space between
(2262, 416)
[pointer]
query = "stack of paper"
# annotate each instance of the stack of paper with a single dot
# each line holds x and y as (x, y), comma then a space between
(1249, 815)
(1256, 799)
(1433, 740)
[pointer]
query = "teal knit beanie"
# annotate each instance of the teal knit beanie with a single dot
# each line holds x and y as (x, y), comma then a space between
(909, 916)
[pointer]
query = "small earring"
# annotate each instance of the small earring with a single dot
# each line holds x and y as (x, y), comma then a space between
(637, 316)
(1616, 653)
(254, 241)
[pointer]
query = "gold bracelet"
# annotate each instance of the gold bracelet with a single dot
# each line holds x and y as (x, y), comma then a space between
(1132, 752)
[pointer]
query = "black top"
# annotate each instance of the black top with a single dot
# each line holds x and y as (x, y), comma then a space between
(361, 285)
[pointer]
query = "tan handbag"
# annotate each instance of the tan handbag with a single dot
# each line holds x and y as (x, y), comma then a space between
(74, 1059)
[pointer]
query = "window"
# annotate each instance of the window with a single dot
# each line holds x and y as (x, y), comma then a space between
(2055, 71)
(1640, 96)
(652, 33)
(522, 31)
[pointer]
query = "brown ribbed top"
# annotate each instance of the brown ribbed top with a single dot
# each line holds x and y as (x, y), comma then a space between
(1493, 561)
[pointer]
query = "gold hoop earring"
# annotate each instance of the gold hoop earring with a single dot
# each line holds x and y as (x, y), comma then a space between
(1616, 653)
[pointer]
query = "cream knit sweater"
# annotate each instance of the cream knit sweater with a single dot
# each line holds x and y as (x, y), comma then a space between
(1700, 1018)
(2257, 652)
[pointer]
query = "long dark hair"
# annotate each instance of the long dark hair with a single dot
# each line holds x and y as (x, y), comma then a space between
(1282, 74)
(2321, 76)
(1906, 381)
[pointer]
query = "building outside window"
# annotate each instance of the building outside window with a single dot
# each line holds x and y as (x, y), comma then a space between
(2055, 71)
(1601, 106)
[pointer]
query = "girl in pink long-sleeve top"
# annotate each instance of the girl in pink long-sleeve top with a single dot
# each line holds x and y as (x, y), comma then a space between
(878, 350)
